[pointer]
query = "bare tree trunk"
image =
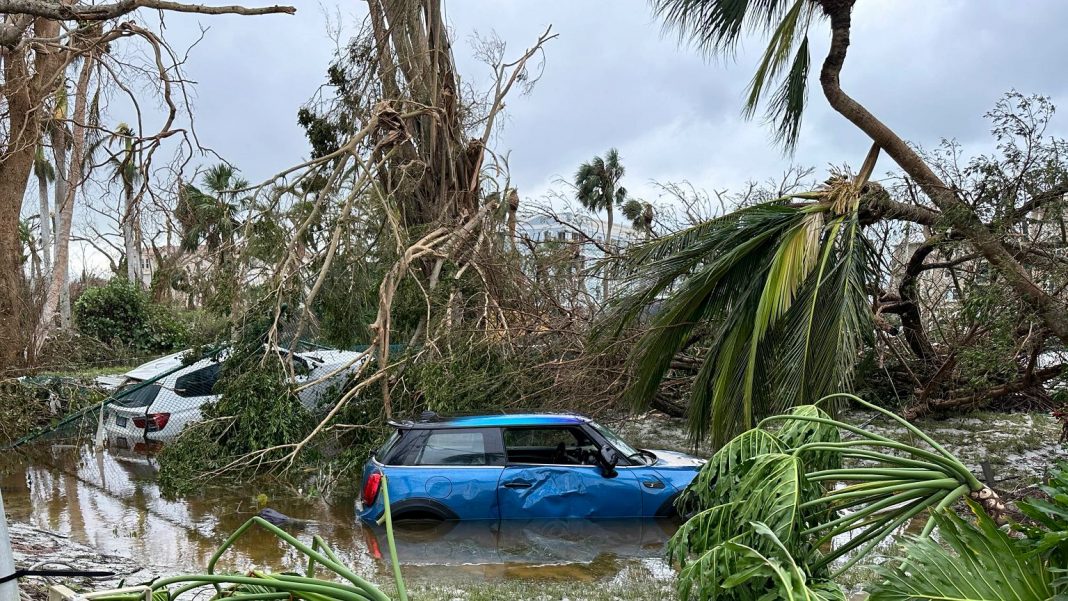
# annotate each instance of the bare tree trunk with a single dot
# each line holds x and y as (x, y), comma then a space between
(59, 150)
(23, 88)
(955, 212)
(131, 235)
(59, 291)
(608, 247)
(46, 223)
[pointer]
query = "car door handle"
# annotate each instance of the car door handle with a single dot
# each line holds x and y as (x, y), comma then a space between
(653, 484)
(517, 484)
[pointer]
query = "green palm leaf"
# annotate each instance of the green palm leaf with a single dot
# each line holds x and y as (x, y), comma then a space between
(716, 26)
(977, 563)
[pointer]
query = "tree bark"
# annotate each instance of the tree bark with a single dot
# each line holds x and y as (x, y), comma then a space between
(608, 245)
(131, 234)
(44, 213)
(63, 182)
(976, 400)
(65, 212)
(955, 212)
(24, 88)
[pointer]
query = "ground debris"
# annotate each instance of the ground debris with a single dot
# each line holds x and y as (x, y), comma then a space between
(37, 548)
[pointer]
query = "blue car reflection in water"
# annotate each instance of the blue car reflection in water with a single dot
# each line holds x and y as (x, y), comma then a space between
(520, 467)
(540, 542)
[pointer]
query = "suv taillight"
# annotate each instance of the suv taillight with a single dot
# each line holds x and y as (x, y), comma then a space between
(153, 422)
(370, 489)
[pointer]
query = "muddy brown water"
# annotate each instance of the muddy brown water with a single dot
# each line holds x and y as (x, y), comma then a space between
(110, 503)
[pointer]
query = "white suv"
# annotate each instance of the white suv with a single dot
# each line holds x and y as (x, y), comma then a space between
(155, 413)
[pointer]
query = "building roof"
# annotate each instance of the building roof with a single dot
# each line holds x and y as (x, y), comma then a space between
(494, 421)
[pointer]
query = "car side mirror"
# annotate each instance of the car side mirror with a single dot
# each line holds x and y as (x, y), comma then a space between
(609, 461)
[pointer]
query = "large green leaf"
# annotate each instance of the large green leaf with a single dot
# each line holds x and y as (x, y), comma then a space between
(796, 432)
(761, 570)
(978, 562)
(1049, 533)
(725, 469)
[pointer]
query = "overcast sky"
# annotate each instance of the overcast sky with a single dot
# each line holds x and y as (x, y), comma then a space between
(613, 78)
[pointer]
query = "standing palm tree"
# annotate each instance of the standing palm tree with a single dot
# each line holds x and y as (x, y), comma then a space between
(640, 214)
(209, 216)
(126, 171)
(44, 172)
(598, 189)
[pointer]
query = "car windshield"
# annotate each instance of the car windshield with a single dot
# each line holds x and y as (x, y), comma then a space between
(628, 451)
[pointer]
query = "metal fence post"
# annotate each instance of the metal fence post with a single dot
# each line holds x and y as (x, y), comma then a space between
(9, 591)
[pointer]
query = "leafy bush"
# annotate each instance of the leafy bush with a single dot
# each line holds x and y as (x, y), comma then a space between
(770, 502)
(111, 312)
(120, 312)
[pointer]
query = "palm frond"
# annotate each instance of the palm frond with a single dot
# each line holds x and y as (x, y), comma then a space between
(978, 562)
(716, 26)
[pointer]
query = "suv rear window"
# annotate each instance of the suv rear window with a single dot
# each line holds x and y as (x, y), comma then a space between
(198, 382)
(141, 397)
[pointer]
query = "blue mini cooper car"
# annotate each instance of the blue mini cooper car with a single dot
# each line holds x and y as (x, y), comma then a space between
(505, 467)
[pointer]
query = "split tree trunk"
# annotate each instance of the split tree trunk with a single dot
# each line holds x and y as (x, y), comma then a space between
(955, 212)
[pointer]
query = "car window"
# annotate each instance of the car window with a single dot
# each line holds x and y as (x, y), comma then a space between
(140, 397)
(549, 446)
(198, 382)
(613, 439)
(455, 447)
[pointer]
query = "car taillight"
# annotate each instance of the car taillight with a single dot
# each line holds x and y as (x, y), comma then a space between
(153, 422)
(370, 489)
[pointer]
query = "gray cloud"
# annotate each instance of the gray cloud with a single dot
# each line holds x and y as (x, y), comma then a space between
(612, 78)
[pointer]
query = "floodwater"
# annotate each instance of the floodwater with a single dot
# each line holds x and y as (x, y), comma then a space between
(111, 503)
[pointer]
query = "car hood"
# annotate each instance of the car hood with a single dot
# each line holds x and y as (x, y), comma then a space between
(672, 459)
(677, 468)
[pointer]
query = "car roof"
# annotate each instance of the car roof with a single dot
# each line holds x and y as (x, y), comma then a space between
(156, 367)
(434, 422)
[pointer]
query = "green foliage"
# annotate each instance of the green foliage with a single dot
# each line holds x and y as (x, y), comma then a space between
(478, 376)
(1048, 532)
(597, 182)
(770, 501)
(107, 313)
(122, 312)
(976, 562)
(783, 290)
(258, 410)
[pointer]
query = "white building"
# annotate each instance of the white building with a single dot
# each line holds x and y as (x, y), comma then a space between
(580, 237)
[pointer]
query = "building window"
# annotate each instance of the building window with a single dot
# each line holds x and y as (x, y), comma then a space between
(561, 235)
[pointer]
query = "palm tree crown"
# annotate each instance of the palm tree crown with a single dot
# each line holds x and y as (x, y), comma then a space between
(598, 182)
(778, 293)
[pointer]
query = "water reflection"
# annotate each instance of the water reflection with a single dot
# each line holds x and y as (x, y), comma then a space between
(112, 503)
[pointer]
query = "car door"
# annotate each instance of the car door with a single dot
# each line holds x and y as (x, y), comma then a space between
(449, 473)
(551, 473)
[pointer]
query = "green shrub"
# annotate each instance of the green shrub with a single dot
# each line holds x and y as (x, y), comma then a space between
(120, 312)
(112, 312)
